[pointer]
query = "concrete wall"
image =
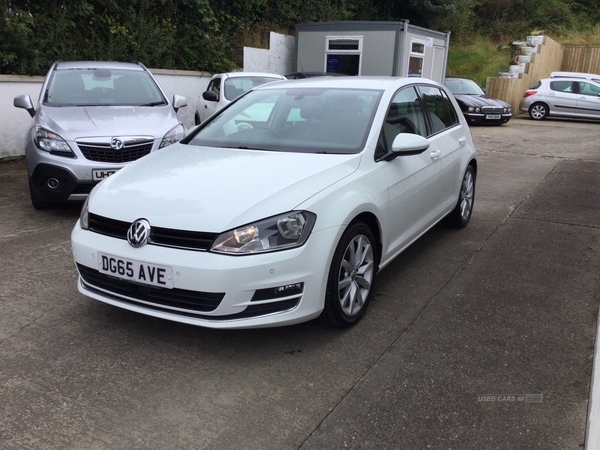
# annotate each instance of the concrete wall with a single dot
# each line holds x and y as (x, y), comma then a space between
(15, 122)
(278, 58)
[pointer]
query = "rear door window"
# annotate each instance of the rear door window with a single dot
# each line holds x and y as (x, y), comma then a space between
(440, 108)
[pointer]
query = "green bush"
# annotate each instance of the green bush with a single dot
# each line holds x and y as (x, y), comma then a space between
(478, 60)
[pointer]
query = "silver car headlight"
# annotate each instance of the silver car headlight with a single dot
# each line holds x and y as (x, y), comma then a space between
(285, 231)
(51, 142)
(175, 134)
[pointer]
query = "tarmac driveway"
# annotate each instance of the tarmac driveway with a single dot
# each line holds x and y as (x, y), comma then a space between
(481, 338)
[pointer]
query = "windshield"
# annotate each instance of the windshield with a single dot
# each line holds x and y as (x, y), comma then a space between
(102, 87)
(307, 120)
(236, 86)
(463, 87)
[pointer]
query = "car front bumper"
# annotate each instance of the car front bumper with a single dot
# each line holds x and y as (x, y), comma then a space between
(210, 289)
(479, 118)
(57, 179)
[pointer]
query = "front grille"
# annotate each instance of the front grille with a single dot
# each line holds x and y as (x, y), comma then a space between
(174, 301)
(491, 110)
(104, 153)
(171, 298)
(83, 189)
(166, 237)
(264, 309)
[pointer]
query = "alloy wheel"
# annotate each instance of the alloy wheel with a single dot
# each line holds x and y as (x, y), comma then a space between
(467, 195)
(356, 275)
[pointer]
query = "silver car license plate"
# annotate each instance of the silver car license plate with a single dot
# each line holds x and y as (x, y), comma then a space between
(137, 271)
(101, 174)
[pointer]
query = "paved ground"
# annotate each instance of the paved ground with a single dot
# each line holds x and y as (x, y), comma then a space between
(481, 338)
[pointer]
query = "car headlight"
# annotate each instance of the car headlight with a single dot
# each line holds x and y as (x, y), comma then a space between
(175, 134)
(471, 109)
(51, 142)
(84, 215)
(280, 232)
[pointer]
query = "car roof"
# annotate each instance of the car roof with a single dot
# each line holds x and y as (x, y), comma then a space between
(457, 78)
(250, 74)
(67, 65)
(350, 82)
(587, 76)
(590, 80)
(316, 74)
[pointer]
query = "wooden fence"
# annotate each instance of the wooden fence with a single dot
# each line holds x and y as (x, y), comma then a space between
(548, 58)
(581, 59)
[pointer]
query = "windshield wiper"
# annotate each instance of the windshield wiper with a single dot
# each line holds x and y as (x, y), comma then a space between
(155, 103)
(245, 147)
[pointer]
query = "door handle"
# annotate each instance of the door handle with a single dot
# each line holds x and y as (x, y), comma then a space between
(435, 154)
(462, 140)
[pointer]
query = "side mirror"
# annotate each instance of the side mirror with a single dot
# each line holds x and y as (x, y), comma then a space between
(24, 101)
(406, 144)
(210, 96)
(179, 102)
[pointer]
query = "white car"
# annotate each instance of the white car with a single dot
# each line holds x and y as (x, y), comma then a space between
(281, 208)
(223, 88)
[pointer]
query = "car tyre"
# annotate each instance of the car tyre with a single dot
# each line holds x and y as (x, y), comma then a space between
(461, 214)
(35, 200)
(538, 111)
(351, 277)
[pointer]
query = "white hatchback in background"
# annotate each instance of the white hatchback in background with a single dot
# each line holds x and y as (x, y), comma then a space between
(282, 207)
(223, 88)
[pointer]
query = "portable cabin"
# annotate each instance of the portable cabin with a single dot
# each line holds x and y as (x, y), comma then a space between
(371, 48)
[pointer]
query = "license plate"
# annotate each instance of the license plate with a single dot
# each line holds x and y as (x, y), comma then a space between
(493, 116)
(137, 271)
(101, 174)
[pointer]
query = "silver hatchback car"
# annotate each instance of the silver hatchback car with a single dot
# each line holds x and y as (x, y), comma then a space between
(93, 118)
(562, 97)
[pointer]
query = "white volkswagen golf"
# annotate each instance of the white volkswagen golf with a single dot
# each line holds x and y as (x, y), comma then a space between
(283, 207)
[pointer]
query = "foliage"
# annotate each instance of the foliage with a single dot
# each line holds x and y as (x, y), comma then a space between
(478, 60)
(206, 34)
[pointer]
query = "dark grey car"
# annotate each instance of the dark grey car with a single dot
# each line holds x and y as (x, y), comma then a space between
(93, 118)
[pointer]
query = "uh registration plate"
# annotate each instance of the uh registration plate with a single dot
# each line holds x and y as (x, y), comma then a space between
(137, 271)
(101, 174)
